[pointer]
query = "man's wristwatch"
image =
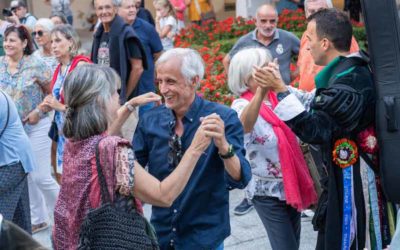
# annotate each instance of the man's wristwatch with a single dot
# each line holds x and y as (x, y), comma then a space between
(282, 95)
(130, 107)
(229, 154)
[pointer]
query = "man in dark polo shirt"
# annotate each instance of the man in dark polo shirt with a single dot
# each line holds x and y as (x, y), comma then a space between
(116, 44)
(151, 43)
(282, 44)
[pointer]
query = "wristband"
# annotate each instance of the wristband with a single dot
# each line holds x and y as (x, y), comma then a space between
(229, 154)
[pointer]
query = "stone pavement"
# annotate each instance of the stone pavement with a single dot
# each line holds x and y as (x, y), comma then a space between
(247, 230)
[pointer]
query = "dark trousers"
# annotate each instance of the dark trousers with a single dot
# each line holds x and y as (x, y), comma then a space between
(14, 196)
(282, 222)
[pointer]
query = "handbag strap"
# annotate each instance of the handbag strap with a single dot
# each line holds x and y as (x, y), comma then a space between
(105, 195)
(8, 114)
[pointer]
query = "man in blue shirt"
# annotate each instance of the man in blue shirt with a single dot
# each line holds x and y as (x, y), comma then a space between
(16, 160)
(199, 217)
(151, 42)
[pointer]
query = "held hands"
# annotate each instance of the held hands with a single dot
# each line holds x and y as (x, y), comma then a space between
(214, 127)
(50, 102)
(269, 77)
(200, 141)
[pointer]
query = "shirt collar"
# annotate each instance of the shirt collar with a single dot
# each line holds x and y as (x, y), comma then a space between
(322, 78)
(254, 35)
(193, 111)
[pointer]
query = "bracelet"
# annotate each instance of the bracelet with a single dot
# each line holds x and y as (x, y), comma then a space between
(130, 107)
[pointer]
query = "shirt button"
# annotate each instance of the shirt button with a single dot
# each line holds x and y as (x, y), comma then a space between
(174, 229)
(175, 211)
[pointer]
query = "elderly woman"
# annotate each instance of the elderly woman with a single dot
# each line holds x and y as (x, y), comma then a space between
(41, 34)
(281, 185)
(65, 44)
(26, 79)
(93, 115)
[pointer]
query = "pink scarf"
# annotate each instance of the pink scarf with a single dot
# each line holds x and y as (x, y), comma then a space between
(297, 182)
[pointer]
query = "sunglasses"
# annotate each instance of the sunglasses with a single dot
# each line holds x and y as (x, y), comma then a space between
(175, 147)
(39, 33)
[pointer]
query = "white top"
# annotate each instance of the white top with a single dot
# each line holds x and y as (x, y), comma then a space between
(262, 153)
(168, 41)
(50, 61)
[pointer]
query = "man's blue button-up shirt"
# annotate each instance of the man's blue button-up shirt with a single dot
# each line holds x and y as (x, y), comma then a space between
(199, 217)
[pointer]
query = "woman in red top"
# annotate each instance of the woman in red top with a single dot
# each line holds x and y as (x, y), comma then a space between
(65, 44)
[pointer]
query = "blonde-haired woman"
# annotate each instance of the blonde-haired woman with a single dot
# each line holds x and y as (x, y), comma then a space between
(281, 185)
(166, 23)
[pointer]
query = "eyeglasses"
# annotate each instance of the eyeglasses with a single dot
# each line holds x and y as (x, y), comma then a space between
(175, 147)
(39, 33)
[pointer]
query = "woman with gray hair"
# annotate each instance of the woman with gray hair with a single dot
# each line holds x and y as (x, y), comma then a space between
(281, 185)
(93, 116)
(42, 35)
(65, 44)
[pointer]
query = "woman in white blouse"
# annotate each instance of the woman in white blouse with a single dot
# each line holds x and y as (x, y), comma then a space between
(281, 185)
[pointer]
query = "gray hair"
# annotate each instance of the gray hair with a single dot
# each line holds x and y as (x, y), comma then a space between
(328, 3)
(87, 90)
(192, 64)
(116, 3)
(46, 23)
(69, 33)
(241, 67)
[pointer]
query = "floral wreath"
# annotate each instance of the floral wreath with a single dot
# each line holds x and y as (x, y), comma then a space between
(345, 153)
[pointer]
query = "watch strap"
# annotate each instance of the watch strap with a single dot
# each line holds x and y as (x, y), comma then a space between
(229, 154)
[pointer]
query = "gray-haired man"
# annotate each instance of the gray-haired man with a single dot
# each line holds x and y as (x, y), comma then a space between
(199, 217)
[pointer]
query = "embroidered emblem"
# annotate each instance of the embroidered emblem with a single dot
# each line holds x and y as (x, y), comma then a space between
(345, 153)
(279, 49)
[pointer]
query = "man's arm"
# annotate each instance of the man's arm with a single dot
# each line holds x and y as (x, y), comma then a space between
(136, 61)
(134, 76)
(237, 167)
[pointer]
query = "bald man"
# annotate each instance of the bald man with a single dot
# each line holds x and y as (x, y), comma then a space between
(282, 44)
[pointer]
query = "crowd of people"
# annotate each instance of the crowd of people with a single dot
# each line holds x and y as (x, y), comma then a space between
(63, 148)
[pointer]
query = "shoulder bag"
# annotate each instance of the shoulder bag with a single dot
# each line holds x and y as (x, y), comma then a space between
(107, 227)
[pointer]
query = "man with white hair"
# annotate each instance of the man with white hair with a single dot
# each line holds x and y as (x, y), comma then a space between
(199, 217)
(306, 67)
(115, 44)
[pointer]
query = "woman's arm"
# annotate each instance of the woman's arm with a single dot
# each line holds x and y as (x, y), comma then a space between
(124, 112)
(250, 113)
(150, 190)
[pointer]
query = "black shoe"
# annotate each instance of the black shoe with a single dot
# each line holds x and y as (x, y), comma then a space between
(243, 208)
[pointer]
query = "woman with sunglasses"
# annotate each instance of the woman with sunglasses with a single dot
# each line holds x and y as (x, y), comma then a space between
(27, 79)
(41, 34)
(65, 44)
